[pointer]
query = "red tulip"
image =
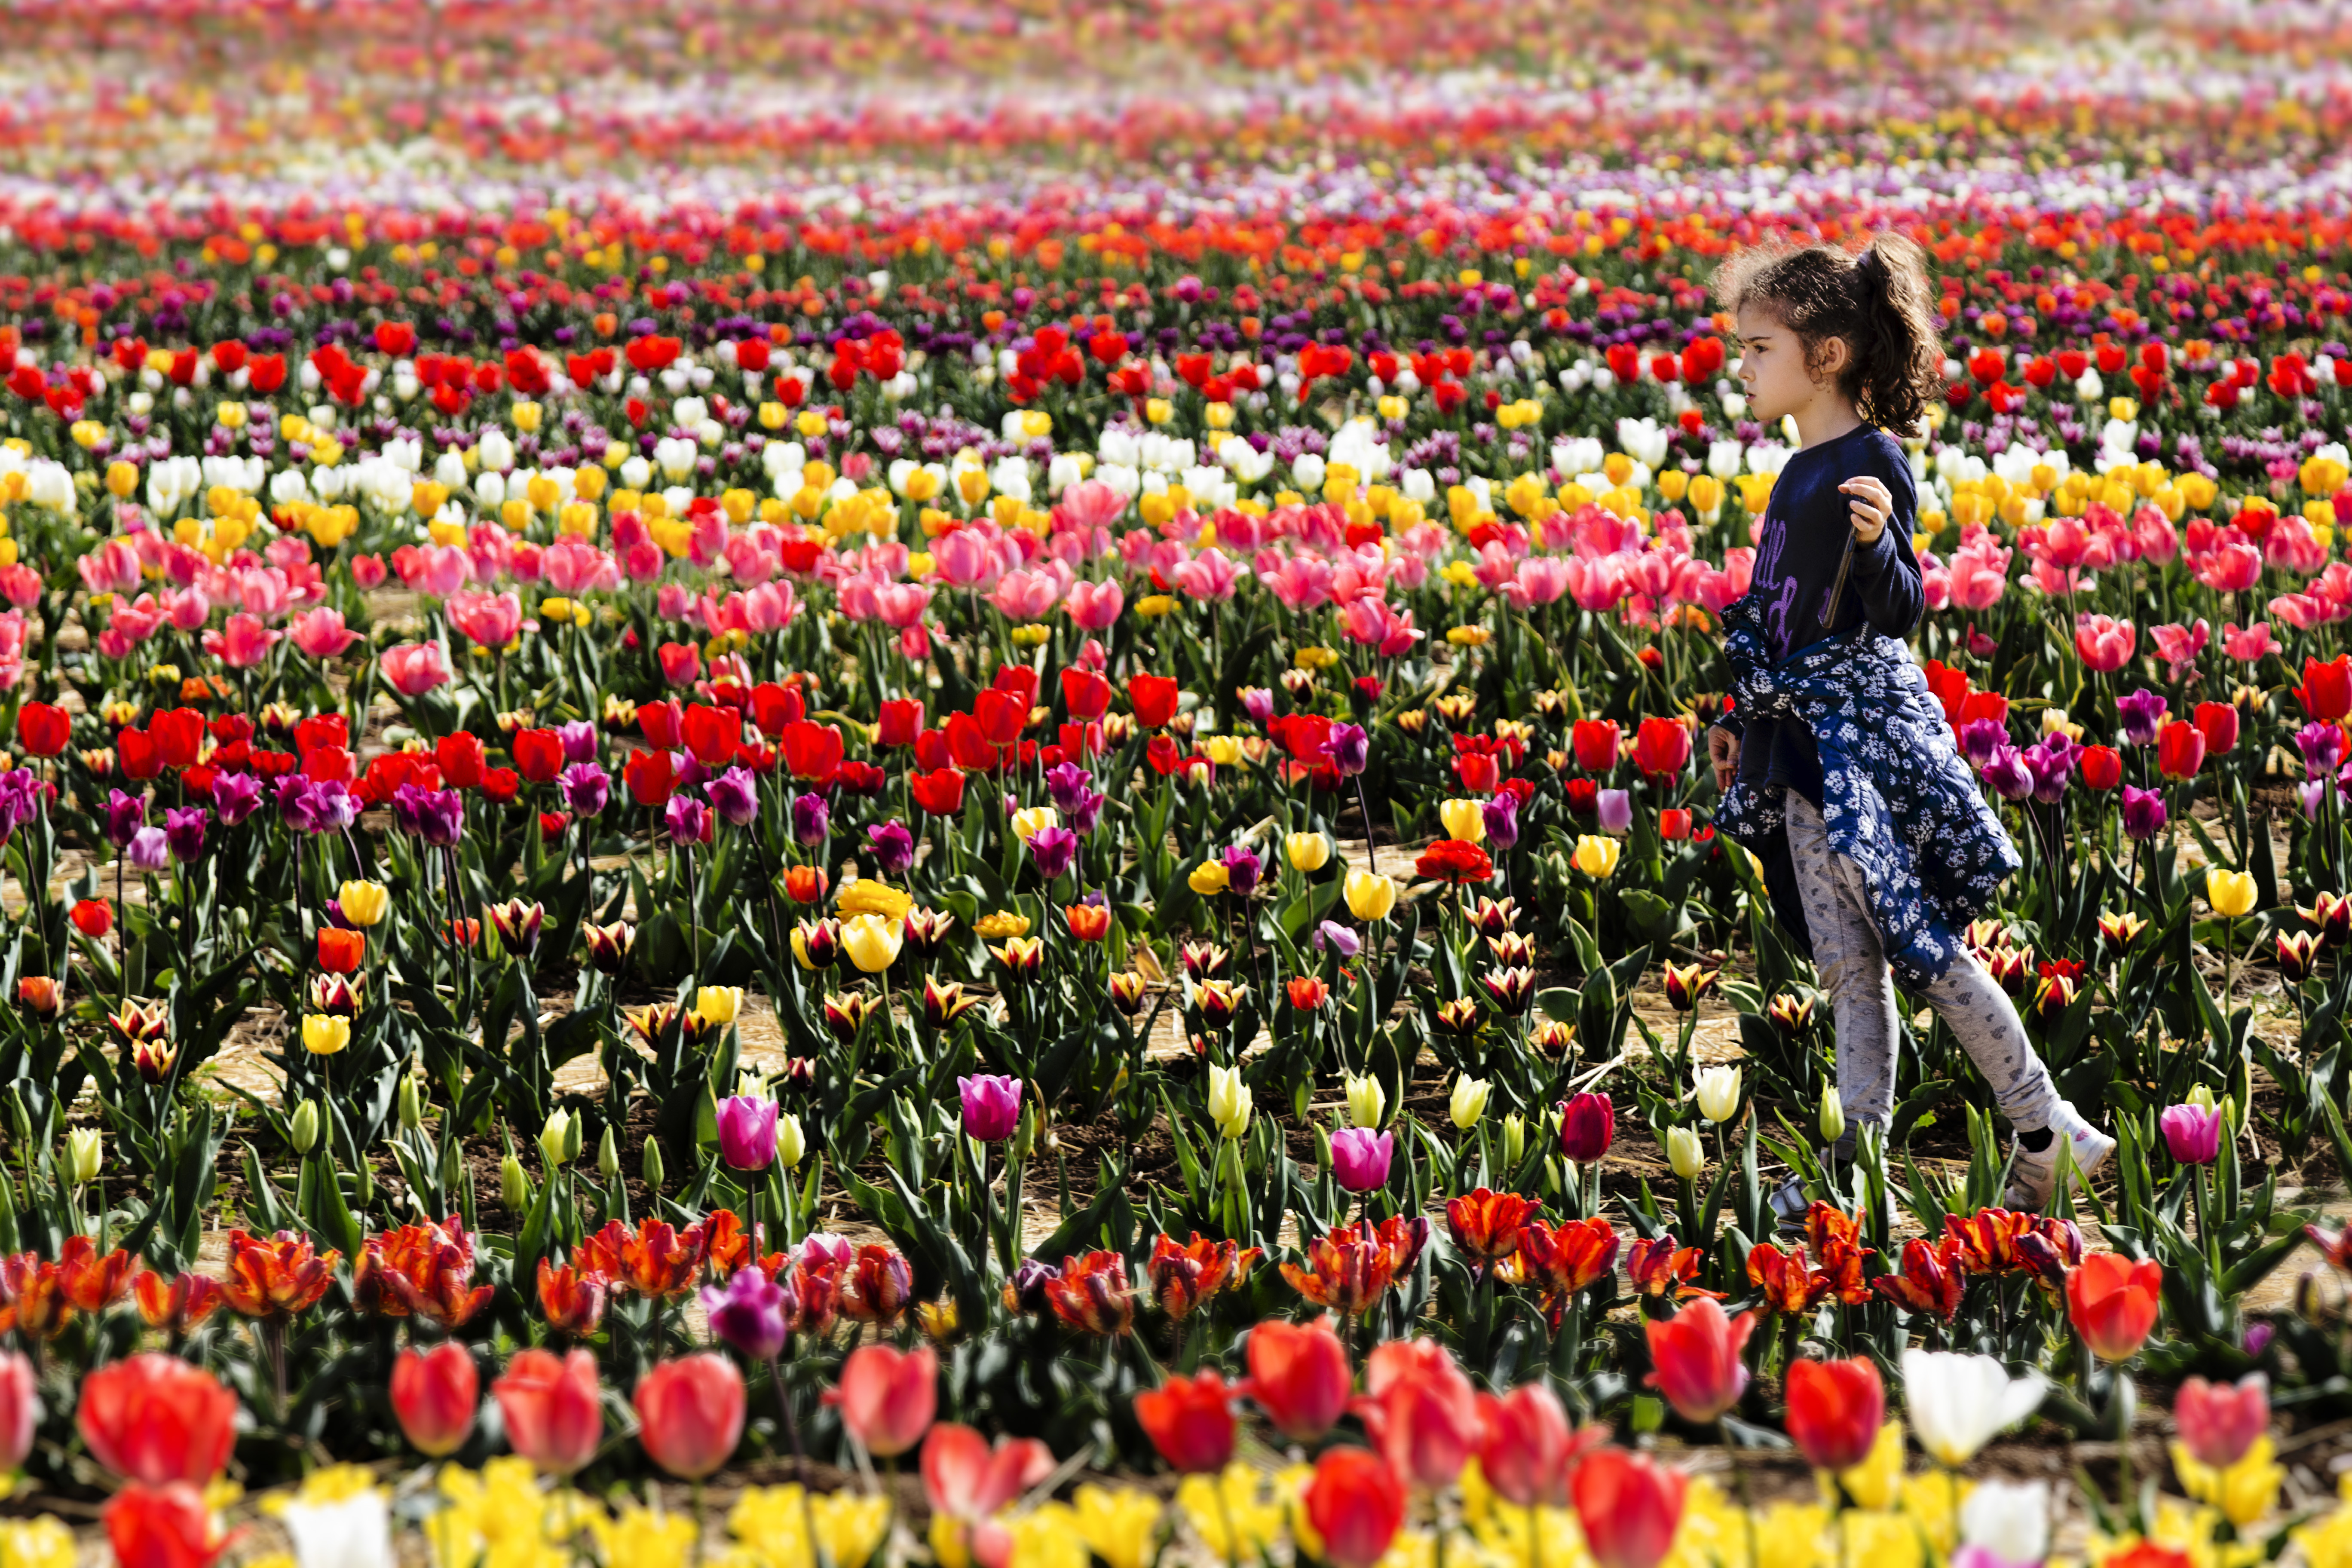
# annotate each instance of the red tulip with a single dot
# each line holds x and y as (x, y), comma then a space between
(2112, 1302)
(1299, 1376)
(651, 776)
(888, 1399)
(1357, 1505)
(460, 757)
(161, 1527)
(1085, 693)
(553, 1411)
(939, 792)
(1527, 1447)
(2179, 750)
(965, 1480)
(1630, 1507)
(2220, 1421)
(1154, 698)
(1190, 1421)
(1588, 1124)
(1662, 749)
(43, 729)
(155, 1419)
(2103, 767)
(1835, 1408)
(2327, 690)
(712, 733)
(93, 918)
(2217, 723)
(1421, 1410)
(1001, 715)
(434, 1392)
(1697, 1353)
(1594, 741)
(898, 724)
(689, 1414)
(538, 754)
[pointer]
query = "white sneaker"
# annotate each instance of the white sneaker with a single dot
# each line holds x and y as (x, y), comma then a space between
(2035, 1177)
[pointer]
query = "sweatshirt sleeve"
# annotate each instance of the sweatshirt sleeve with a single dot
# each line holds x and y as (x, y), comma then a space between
(1887, 573)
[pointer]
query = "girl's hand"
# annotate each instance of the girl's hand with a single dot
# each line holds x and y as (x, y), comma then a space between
(1872, 505)
(1723, 756)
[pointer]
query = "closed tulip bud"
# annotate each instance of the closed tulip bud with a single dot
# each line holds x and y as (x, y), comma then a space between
(514, 1187)
(1833, 1115)
(305, 1132)
(1308, 851)
(718, 1005)
(1369, 897)
(2232, 893)
(608, 1155)
(651, 1166)
(1365, 1100)
(411, 1104)
(791, 1145)
(1467, 1103)
(1718, 1093)
(1684, 1153)
(1515, 1139)
(1229, 1101)
(363, 904)
(325, 1035)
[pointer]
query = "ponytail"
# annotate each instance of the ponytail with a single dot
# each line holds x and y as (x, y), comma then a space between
(1879, 302)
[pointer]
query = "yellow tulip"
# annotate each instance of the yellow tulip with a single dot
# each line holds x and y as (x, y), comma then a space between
(363, 904)
(324, 1035)
(872, 941)
(1596, 856)
(1209, 878)
(1370, 896)
(867, 896)
(1033, 820)
(1462, 820)
(1467, 1102)
(1308, 851)
(2232, 893)
(718, 1005)
(1365, 1100)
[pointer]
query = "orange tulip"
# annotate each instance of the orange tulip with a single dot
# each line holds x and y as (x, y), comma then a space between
(2112, 1302)
(277, 1277)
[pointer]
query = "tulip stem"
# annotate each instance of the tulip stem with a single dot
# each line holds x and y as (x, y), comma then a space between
(800, 1458)
(1371, 855)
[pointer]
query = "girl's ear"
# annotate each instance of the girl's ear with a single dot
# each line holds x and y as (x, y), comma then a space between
(1835, 355)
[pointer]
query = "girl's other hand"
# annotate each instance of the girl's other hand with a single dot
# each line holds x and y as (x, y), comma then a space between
(1723, 756)
(1872, 505)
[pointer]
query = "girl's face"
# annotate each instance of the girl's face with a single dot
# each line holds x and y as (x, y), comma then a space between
(1772, 366)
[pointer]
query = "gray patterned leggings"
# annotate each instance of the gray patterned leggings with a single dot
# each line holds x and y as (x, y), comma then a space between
(1853, 971)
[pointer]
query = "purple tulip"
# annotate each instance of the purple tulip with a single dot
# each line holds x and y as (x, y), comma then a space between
(333, 807)
(1086, 811)
(1064, 782)
(747, 1131)
(894, 848)
(587, 788)
(1979, 738)
(1026, 1288)
(2193, 1134)
(125, 815)
(735, 796)
(20, 799)
(811, 819)
(1257, 701)
(2314, 792)
(688, 820)
(1053, 849)
(1336, 937)
(1359, 1159)
(434, 815)
(752, 1314)
(2144, 813)
(150, 850)
(1502, 815)
(1350, 749)
(579, 738)
(2321, 746)
(2143, 715)
(2051, 762)
(2008, 774)
(1243, 870)
(1615, 810)
(992, 1106)
(185, 830)
(235, 796)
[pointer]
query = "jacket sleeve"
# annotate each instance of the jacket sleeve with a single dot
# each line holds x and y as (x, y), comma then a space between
(1887, 573)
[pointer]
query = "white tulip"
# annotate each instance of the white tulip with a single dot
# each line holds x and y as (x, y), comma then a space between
(2011, 1519)
(1718, 1093)
(355, 1532)
(1958, 1401)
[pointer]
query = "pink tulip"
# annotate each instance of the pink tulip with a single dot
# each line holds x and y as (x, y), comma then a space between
(2104, 642)
(243, 642)
(1209, 576)
(320, 633)
(493, 620)
(1301, 582)
(2179, 647)
(889, 1397)
(901, 605)
(1094, 605)
(573, 565)
(2220, 1421)
(963, 560)
(2249, 645)
(2231, 567)
(415, 668)
(1088, 505)
(1023, 595)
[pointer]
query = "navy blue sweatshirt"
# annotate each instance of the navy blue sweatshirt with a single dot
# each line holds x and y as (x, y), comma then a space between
(1806, 524)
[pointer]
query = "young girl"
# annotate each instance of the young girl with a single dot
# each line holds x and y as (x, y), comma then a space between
(1837, 767)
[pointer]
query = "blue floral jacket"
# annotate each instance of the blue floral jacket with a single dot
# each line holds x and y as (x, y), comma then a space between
(1896, 798)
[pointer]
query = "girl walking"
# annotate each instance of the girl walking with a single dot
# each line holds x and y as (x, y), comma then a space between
(1837, 768)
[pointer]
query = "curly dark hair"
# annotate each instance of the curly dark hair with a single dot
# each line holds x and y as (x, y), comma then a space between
(1878, 299)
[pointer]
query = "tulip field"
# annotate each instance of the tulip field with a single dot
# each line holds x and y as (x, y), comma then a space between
(841, 790)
